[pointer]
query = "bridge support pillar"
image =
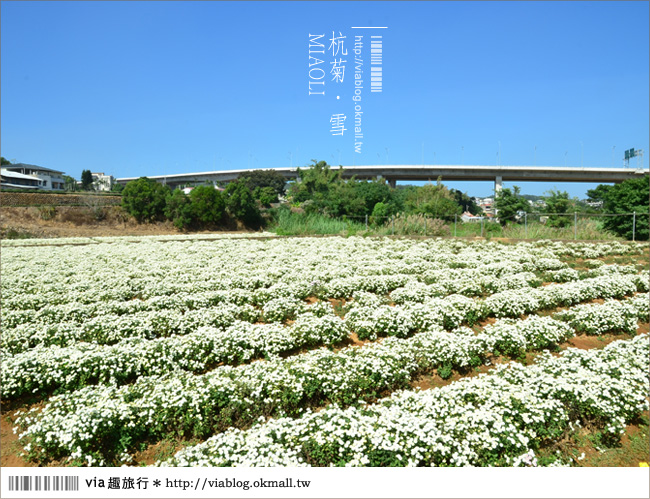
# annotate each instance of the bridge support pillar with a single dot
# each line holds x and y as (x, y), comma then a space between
(498, 185)
(392, 182)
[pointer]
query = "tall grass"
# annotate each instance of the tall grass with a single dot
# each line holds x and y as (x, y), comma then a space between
(586, 230)
(288, 223)
(412, 225)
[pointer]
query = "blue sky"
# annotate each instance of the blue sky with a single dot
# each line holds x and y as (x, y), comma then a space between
(146, 88)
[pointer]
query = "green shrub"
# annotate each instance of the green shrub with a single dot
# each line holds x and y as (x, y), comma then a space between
(445, 371)
(208, 204)
(47, 212)
(628, 197)
(179, 209)
(145, 199)
(241, 204)
(265, 195)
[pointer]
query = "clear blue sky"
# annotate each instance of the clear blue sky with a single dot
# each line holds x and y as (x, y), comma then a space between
(147, 88)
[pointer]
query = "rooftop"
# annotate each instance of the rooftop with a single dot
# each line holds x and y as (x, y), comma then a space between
(31, 167)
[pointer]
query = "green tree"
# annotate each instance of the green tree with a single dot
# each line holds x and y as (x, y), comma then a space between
(559, 206)
(86, 180)
(341, 200)
(145, 199)
(371, 193)
(178, 209)
(465, 202)
(315, 182)
(208, 204)
(323, 190)
(628, 197)
(598, 194)
(4, 161)
(509, 203)
(241, 204)
(69, 183)
(265, 195)
(432, 199)
(379, 213)
(264, 178)
(117, 188)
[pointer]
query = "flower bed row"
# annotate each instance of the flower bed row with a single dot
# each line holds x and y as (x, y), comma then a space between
(87, 275)
(512, 303)
(611, 317)
(450, 312)
(103, 421)
(501, 418)
(68, 368)
(110, 329)
(370, 319)
(43, 369)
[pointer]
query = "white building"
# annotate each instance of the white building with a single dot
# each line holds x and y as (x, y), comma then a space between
(23, 176)
(468, 217)
(103, 182)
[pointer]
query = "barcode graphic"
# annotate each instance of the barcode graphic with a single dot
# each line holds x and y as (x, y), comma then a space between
(375, 63)
(27, 483)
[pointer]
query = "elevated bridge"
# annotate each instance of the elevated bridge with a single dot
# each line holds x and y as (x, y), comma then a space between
(393, 173)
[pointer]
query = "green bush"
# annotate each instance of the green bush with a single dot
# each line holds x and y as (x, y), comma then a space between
(145, 199)
(241, 204)
(47, 212)
(445, 371)
(509, 203)
(208, 204)
(179, 209)
(259, 179)
(628, 197)
(559, 205)
(379, 213)
(265, 195)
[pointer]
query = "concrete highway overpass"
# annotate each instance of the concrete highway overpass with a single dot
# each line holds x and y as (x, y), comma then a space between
(393, 173)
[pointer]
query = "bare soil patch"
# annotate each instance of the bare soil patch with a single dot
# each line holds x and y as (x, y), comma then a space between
(11, 448)
(80, 221)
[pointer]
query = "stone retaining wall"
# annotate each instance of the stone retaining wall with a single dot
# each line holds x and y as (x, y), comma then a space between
(42, 199)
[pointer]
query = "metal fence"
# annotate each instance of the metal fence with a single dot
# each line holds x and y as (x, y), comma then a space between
(523, 218)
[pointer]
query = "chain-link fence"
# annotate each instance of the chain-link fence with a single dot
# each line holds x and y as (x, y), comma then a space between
(574, 225)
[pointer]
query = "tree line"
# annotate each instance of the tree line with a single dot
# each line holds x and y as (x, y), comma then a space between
(205, 206)
(321, 189)
(624, 199)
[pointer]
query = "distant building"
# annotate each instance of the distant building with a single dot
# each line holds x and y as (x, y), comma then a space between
(24, 176)
(103, 182)
(468, 217)
(486, 204)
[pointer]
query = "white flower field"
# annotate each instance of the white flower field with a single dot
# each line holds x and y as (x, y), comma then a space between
(264, 351)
